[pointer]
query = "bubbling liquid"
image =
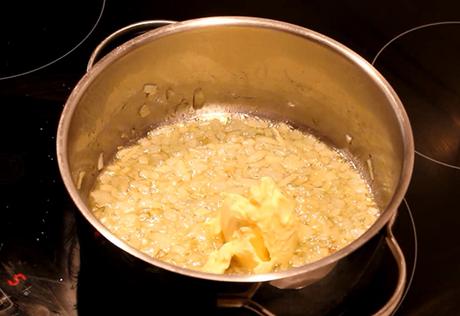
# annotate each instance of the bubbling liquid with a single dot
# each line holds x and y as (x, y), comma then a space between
(164, 194)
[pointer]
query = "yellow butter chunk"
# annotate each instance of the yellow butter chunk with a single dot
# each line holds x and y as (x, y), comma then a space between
(260, 232)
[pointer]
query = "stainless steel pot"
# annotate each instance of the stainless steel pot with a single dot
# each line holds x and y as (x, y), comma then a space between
(240, 64)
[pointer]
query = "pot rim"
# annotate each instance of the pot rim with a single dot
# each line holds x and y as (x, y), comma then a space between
(125, 48)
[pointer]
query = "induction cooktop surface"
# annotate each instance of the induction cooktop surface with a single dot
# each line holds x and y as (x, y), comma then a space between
(52, 262)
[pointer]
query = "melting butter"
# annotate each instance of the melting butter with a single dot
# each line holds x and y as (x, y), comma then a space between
(260, 232)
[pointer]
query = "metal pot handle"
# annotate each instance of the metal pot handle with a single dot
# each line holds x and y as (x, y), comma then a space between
(398, 255)
(144, 25)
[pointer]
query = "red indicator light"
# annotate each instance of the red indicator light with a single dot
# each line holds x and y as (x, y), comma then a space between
(16, 279)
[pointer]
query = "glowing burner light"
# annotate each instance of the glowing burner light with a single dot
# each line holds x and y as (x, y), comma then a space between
(16, 279)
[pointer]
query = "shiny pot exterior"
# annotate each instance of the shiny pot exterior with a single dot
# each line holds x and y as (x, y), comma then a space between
(238, 64)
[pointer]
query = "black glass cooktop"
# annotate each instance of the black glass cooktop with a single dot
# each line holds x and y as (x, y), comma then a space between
(53, 263)
(40, 33)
